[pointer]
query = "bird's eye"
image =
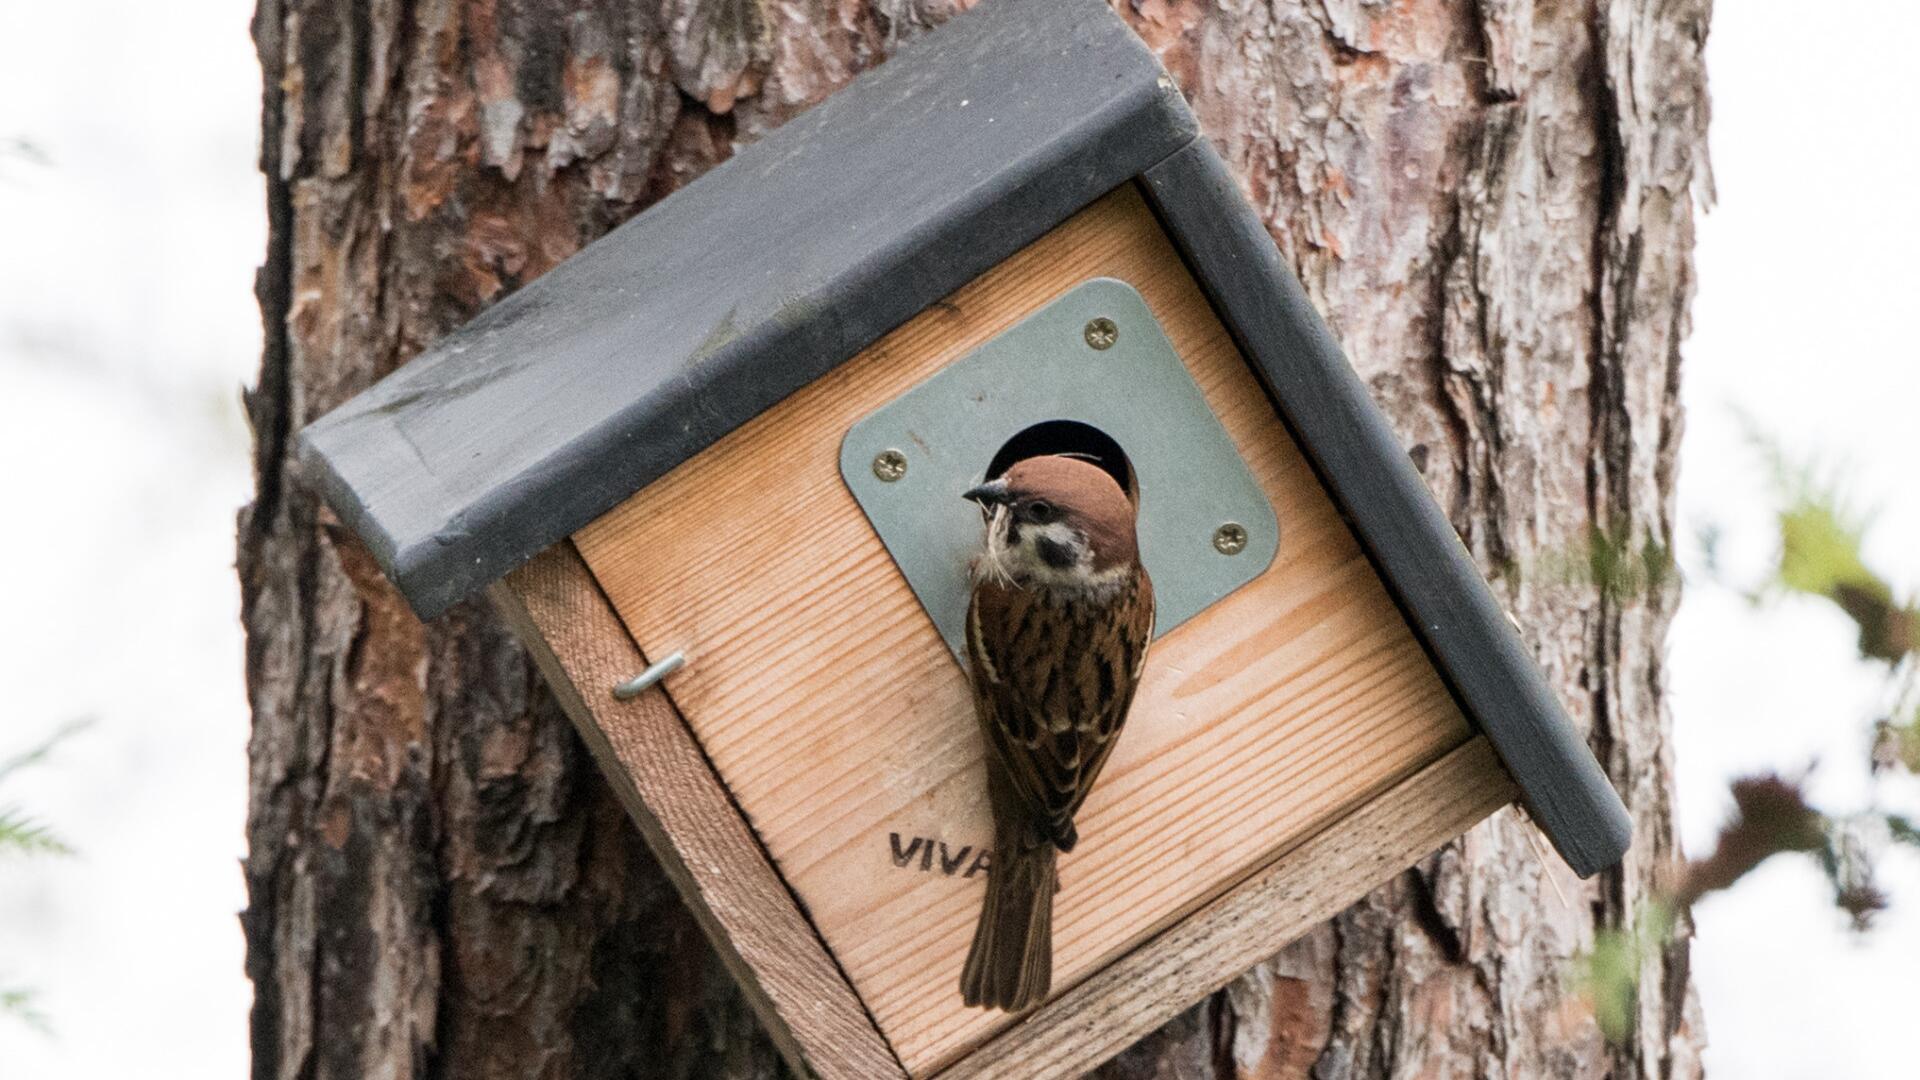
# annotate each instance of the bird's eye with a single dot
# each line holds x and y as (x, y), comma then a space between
(1040, 511)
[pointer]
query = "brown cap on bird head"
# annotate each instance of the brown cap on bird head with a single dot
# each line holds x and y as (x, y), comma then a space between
(1073, 491)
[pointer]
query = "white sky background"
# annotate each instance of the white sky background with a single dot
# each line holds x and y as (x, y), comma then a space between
(127, 325)
(1809, 277)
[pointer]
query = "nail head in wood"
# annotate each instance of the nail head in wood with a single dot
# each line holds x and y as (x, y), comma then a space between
(644, 681)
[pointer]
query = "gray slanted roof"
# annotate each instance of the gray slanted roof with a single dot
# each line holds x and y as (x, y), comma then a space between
(661, 337)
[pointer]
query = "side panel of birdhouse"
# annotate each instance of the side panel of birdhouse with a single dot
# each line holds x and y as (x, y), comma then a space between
(835, 715)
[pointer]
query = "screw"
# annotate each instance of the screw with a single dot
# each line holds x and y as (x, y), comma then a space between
(1101, 333)
(1230, 539)
(890, 465)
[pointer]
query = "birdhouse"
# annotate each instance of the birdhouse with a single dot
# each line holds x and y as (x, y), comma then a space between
(710, 468)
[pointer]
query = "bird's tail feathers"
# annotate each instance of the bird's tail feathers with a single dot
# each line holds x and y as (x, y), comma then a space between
(1010, 966)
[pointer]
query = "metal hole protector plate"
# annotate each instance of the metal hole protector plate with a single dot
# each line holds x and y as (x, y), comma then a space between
(937, 439)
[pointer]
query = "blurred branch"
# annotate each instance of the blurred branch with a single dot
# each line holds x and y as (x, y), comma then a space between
(1903, 829)
(25, 149)
(39, 752)
(1770, 816)
(18, 148)
(21, 834)
(18, 1004)
(1821, 554)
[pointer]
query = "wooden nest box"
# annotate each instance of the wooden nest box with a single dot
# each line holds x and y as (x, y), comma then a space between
(735, 431)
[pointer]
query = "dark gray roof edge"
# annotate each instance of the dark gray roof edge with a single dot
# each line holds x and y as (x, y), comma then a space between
(1095, 111)
(1390, 509)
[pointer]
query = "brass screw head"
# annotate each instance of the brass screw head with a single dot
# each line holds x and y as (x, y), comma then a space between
(890, 465)
(1101, 333)
(1230, 539)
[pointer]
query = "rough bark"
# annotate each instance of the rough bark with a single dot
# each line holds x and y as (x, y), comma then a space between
(1490, 200)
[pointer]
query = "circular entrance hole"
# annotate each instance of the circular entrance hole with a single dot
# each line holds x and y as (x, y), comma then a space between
(1073, 438)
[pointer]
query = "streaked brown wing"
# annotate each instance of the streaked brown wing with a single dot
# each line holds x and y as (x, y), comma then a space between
(1134, 624)
(1053, 681)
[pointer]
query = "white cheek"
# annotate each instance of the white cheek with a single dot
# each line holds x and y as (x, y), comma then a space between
(1057, 532)
(1021, 560)
(1027, 553)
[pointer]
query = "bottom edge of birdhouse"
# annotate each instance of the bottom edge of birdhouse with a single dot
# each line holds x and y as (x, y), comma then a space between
(1309, 883)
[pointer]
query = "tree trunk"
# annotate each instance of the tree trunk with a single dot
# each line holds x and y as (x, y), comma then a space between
(1490, 200)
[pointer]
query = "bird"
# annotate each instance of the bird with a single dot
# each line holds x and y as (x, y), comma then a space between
(1058, 626)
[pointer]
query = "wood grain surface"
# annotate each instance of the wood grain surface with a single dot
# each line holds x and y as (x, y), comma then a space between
(689, 820)
(1282, 900)
(830, 708)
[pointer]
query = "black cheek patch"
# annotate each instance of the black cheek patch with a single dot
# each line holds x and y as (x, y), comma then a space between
(1054, 553)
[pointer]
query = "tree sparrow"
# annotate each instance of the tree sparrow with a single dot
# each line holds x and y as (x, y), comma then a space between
(1057, 634)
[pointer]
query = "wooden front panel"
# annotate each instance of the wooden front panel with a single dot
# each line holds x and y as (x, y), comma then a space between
(833, 711)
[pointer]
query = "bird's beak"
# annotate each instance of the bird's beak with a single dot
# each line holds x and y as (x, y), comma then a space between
(990, 494)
